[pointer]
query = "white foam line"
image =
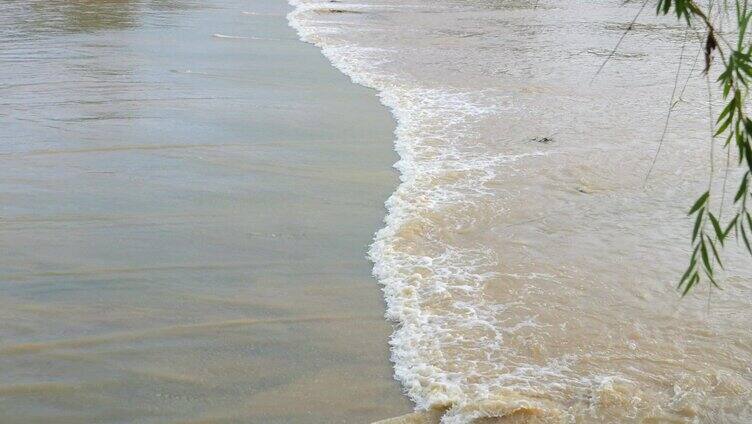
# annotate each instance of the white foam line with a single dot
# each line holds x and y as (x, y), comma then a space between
(403, 299)
(233, 37)
(455, 273)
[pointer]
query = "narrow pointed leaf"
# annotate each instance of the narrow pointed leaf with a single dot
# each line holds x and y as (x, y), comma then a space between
(716, 227)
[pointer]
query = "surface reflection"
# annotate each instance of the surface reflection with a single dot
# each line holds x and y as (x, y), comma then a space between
(25, 18)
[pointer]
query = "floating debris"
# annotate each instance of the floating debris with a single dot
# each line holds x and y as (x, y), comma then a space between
(543, 140)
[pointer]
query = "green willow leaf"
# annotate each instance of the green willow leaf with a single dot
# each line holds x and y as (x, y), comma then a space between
(705, 257)
(715, 253)
(696, 228)
(716, 227)
(731, 225)
(699, 203)
(742, 187)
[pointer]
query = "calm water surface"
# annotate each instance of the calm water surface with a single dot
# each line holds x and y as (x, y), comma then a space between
(184, 219)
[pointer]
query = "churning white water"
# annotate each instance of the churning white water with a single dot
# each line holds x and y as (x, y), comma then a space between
(527, 262)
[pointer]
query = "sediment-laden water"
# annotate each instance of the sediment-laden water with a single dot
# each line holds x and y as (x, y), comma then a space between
(528, 259)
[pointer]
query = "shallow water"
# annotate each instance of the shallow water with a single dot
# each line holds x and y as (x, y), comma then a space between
(184, 219)
(536, 280)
